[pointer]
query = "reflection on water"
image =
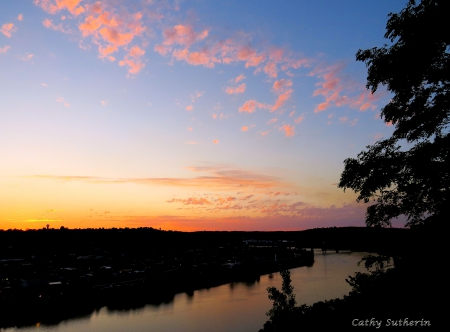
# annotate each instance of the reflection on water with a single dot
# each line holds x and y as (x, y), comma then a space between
(238, 306)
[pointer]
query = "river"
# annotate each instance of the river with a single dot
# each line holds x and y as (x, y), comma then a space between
(234, 307)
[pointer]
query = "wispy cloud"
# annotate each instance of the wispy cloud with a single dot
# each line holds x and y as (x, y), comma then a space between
(52, 7)
(251, 105)
(49, 24)
(239, 78)
(235, 90)
(288, 130)
(339, 90)
(7, 29)
(4, 49)
(219, 178)
(27, 57)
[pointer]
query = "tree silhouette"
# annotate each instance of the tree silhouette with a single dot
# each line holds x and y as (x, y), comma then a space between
(282, 313)
(408, 173)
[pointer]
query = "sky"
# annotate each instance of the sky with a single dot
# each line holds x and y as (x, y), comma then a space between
(185, 115)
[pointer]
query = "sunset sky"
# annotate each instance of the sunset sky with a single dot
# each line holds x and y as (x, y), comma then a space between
(185, 115)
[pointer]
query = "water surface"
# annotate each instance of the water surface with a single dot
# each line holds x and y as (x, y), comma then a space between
(236, 307)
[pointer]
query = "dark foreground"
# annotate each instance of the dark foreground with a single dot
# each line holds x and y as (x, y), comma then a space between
(51, 275)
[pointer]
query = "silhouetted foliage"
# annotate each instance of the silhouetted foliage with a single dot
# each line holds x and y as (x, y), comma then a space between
(282, 313)
(408, 173)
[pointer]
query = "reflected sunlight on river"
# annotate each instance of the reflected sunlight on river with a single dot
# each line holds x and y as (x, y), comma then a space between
(232, 307)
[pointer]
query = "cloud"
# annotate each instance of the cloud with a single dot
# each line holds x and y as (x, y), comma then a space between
(236, 90)
(197, 95)
(4, 49)
(190, 201)
(132, 60)
(63, 101)
(271, 69)
(220, 178)
(288, 130)
(104, 102)
(44, 84)
(378, 136)
(49, 24)
(281, 85)
(299, 119)
(189, 108)
(354, 122)
(264, 133)
(7, 29)
(54, 6)
(111, 32)
(343, 119)
(239, 78)
(244, 128)
(190, 129)
(20, 17)
(250, 106)
(216, 141)
(191, 142)
(27, 57)
(183, 35)
(195, 58)
(272, 121)
(338, 90)
(281, 100)
(291, 114)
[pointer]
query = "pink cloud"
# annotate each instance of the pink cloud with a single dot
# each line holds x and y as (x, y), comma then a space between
(291, 114)
(240, 89)
(190, 129)
(272, 121)
(281, 85)
(20, 17)
(4, 49)
(216, 141)
(27, 57)
(354, 122)
(7, 29)
(336, 89)
(195, 58)
(288, 130)
(343, 119)
(183, 35)
(112, 32)
(250, 106)
(49, 24)
(189, 108)
(244, 128)
(245, 53)
(299, 119)
(239, 78)
(190, 201)
(191, 143)
(214, 116)
(264, 133)
(281, 100)
(132, 60)
(53, 6)
(378, 136)
(271, 69)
